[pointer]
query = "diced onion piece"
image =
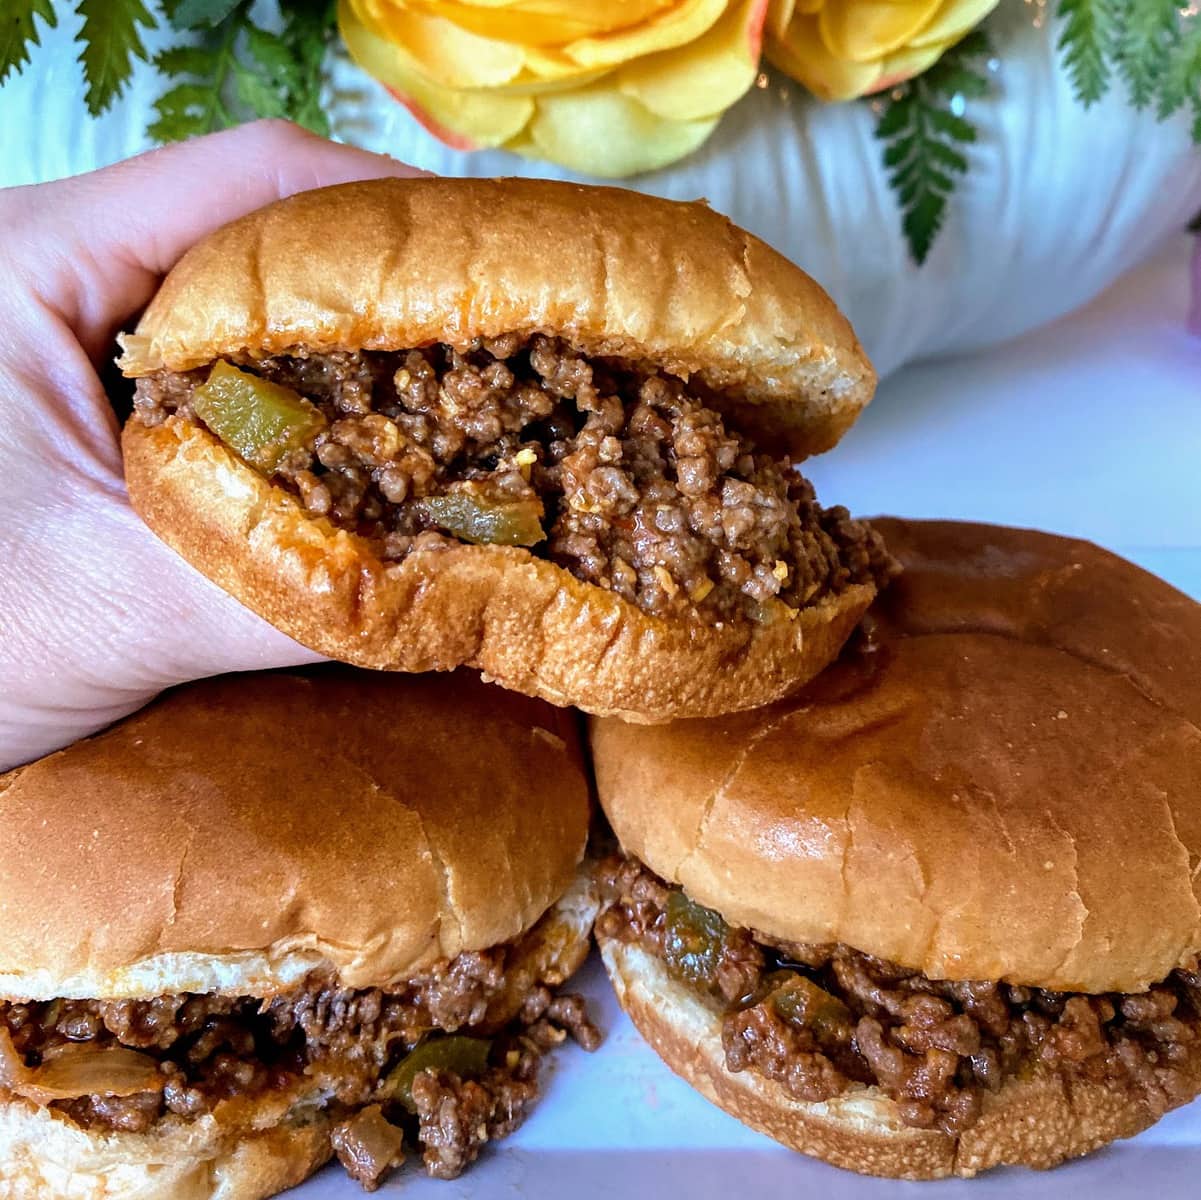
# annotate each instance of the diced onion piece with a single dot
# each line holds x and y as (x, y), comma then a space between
(78, 1069)
(368, 1145)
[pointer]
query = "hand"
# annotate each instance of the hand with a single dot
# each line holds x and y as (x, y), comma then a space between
(97, 615)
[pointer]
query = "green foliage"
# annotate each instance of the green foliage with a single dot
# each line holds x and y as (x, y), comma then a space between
(1153, 45)
(18, 32)
(1147, 28)
(1181, 80)
(197, 103)
(224, 69)
(924, 136)
(194, 14)
(308, 30)
(1088, 35)
(237, 71)
(111, 42)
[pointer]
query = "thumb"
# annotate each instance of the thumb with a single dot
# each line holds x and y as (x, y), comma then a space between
(104, 239)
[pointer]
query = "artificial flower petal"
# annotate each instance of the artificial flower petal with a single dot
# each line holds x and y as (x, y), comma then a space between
(544, 74)
(905, 64)
(449, 56)
(804, 56)
(954, 19)
(541, 22)
(779, 13)
(853, 47)
(599, 131)
(863, 30)
(683, 22)
(613, 88)
(702, 79)
(479, 118)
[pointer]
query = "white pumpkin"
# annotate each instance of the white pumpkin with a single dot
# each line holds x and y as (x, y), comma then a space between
(1059, 200)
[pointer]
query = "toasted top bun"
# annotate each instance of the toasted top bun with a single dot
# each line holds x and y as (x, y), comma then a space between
(1053, 591)
(1003, 783)
(243, 831)
(396, 263)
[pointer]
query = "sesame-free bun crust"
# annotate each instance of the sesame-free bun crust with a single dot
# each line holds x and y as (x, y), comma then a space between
(397, 263)
(525, 622)
(243, 831)
(1004, 784)
(1052, 591)
(45, 1155)
(1037, 1122)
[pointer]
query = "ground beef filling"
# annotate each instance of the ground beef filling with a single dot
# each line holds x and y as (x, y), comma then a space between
(349, 1043)
(638, 486)
(823, 1020)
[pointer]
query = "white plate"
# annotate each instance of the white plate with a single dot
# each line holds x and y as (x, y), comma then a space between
(618, 1125)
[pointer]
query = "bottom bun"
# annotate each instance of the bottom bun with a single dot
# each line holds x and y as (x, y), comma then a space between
(1036, 1122)
(523, 621)
(43, 1154)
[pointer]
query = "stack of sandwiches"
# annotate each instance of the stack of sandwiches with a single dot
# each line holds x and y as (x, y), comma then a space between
(899, 822)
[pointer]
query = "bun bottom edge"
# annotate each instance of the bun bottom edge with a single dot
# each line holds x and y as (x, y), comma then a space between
(44, 1154)
(524, 622)
(1037, 1122)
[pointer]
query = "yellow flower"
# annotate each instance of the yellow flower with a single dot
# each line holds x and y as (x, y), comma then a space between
(840, 49)
(606, 87)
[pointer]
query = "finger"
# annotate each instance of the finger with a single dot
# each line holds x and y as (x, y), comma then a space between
(103, 240)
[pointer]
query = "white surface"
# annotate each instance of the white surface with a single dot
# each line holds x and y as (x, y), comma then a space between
(1090, 427)
(1059, 201)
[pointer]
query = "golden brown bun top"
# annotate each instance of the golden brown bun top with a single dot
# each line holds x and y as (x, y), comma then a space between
(397, 263)
(1004, 783)
(243, 830)
(1056, 591)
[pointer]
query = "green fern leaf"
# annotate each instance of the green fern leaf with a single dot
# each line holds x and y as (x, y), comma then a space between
(1088, 34)
(18, 32)
(1179, 81)
(111, 41)
(923, 128)
(1144, 31)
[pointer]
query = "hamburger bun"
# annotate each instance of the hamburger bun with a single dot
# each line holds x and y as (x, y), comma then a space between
(402, 263)
(1048, 590)
(1000, 781)
(1036, 1122)
(247, 1148)
(243, 832)
(44, 1155)
(393, 263)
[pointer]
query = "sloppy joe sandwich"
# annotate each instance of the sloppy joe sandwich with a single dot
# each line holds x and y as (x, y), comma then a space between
(940, 911)
(273, 919)
(535, 428)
